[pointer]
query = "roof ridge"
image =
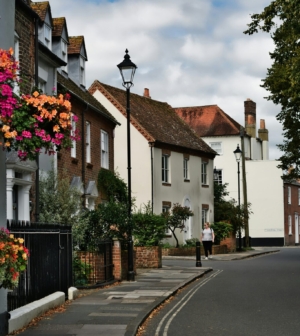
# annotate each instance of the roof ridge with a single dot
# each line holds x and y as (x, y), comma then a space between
(101, 87)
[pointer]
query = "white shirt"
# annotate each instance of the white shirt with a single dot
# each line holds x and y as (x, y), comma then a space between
(207, 234)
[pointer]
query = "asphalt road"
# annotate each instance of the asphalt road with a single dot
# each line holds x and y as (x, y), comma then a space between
(251, 297)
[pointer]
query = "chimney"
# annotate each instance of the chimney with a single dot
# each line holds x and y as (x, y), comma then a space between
(250, 117)
(263, 133)
(146, 93)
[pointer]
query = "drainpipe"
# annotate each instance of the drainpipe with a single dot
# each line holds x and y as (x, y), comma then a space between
(152, 178)
(36, 83)
(83, 152)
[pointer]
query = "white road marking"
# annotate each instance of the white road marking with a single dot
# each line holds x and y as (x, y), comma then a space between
(189, 295)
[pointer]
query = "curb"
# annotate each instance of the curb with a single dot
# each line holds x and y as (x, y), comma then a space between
(20, 317)
(255, 255)
(133, 326)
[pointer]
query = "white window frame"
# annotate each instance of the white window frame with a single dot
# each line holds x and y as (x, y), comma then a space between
(104, 150)
(42, 85)
(204, 177)
(290, 225)
(17, 58)
(88, 142)
(167, 208)
(82, 71)
(165, 171)
(73, 149)
(64, 53)
(217, 146)
(204, 217)
(289, 195)
(219, 180)
(186, 168)
(48, 36)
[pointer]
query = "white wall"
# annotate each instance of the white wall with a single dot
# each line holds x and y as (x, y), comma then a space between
(140, 155)
(265, 193)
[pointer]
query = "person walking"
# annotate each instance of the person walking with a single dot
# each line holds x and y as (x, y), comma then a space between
(208, 237)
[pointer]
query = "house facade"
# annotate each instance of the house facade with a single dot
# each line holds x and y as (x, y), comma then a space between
(263, 179)
(291, 192)
(170, 163)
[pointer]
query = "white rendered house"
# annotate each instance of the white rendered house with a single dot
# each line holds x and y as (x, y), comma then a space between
(170, 163)
(263, 178)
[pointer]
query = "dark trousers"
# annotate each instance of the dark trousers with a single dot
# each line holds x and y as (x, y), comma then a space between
(207, 247)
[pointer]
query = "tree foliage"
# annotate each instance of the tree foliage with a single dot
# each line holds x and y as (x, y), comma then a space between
(229, 211)
(281, 20)
(148, 229)
(59, 203)
(112, 186)
(176, 218)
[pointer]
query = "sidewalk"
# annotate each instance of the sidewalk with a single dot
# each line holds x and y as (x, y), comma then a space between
(121, 309)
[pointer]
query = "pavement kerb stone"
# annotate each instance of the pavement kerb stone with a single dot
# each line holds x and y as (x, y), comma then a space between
(255, 254)
(133, 326)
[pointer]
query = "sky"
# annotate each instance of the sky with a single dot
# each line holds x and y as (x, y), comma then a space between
(188, 53)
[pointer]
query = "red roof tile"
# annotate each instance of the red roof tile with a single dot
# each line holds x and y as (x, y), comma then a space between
(58, 26)
(208, 120)
(156, 120)
(41, 8)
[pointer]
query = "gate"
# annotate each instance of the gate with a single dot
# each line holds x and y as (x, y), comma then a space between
(93, 264)
(49, 266)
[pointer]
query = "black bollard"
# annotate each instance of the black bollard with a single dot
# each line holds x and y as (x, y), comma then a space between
(198, 255)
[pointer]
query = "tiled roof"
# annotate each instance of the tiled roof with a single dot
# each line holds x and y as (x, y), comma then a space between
(58, 26)
(156, 120)
(85, 96)
(40, 8)
(209, 120)
(75, 44)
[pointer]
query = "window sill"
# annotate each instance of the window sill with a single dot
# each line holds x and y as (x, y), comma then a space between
(186, 180)
(89, 165)
(205, 186)
(166, 184)
(74, 160)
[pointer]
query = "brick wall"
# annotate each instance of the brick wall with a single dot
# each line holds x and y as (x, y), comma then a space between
(24, 27)
(148, 257)
(191, 251)
(74, 167)
(230, 243)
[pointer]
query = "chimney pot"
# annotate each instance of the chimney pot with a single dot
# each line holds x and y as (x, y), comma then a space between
(262, 124)
(146, 93)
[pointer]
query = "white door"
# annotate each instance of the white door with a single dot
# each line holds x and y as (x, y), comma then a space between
(187, 224)
(296, 230)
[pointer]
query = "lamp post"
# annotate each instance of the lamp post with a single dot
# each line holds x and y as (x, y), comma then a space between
(238, 154)
(127, 70)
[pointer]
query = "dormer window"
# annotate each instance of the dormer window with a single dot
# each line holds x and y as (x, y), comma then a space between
(64, 52)
(82, 71)
(47, 34)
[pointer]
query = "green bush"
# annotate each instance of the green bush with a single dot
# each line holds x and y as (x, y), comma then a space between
(221, 230)
(191, 242)
(148, 229)
(81, 271)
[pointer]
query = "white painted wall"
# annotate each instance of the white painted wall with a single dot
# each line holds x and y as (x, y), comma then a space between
(265, 193)
(264, 186)
(140, 155)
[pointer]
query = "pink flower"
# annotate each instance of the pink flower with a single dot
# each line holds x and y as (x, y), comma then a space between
(75, 118)
(22, 154)
(19, 138)
(27, 134)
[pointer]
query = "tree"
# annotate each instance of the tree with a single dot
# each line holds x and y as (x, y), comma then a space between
(58, 202)
(176, 218)
(281, 20)
(228, 211)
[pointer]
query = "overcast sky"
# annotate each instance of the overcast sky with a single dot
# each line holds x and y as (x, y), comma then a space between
(188, 53)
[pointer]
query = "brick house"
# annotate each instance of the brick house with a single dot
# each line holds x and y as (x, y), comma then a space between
(263, 179)
(291, 192)
(170, 163)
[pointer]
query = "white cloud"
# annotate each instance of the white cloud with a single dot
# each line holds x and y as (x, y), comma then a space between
(187, 53)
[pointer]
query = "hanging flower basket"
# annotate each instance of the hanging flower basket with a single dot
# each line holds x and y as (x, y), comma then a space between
(31, 123)
(13, 259)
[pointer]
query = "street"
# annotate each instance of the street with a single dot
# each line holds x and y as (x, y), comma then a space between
(251, 297)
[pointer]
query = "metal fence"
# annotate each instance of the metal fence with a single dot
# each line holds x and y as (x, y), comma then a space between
(93, 264)
(49, 264)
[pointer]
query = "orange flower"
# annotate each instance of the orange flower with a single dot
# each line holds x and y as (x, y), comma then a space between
(56, 128)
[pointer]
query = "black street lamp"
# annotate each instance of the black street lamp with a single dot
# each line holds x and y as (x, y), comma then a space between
(238, 154)
(127, 70)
